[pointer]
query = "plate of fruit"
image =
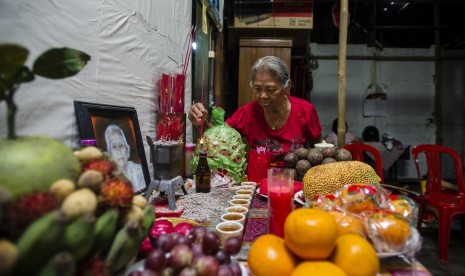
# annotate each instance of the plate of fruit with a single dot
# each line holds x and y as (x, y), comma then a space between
(187, 250)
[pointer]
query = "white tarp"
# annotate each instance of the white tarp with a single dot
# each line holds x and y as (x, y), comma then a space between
(130, 42)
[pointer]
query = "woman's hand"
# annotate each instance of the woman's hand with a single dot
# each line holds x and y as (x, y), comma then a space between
(197, 114)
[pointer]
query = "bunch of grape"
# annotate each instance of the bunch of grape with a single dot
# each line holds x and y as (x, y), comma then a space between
(199, 252)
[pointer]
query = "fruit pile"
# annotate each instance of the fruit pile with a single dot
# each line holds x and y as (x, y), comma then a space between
(185, 249)
(302, 159)
(312, 246)
(91, 225)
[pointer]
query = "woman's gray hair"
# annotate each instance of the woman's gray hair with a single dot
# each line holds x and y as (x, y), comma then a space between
(114, 128)
(273, 65)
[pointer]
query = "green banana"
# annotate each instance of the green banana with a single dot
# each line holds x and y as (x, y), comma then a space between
(105, 229)
(124, 247)
(62, 264)
(79, 236)
(39, 242)
(149, 219)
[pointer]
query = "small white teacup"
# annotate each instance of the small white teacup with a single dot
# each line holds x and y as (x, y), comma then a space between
(244, 192)
(237, 209)
(233, 217)
(228, 229)
(247, 197)
(240, 202)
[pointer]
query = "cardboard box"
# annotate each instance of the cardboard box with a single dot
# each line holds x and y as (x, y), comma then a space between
(277, 14)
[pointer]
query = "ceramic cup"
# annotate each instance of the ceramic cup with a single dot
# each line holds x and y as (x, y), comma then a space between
(247, 187)
(237, 209)
(247, 197)
(248, 183)
(228, 229)
(239, 217)
(244, 192)
(240, 202)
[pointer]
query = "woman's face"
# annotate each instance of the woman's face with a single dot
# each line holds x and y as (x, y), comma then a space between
(118, 150)
(268, 92)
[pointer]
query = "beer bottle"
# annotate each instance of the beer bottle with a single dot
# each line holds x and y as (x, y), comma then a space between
(202, 174)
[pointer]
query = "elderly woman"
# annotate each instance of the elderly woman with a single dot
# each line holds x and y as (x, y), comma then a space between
(119, 150)
(274, 118)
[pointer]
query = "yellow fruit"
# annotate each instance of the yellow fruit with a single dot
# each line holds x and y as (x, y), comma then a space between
(388, 229)
(361, 197)
(320, 268)
(268, 255)
(62, 188)
(355, 256)
(348, 224)
(139, 200)
(310, 233)
(327, 178)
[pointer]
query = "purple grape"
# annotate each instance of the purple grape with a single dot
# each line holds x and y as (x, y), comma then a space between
(232, 245)
(155, 260)
(148, 272)
(210, 243)
(207, 265)
(182, 240)
(197, 250)
(196, 234)
(165, 242)
(225, 270)
(180, 257)
(188, 271)
(235, 268)
(222, 257)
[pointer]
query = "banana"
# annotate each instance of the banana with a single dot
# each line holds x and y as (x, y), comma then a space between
(105, 229)
(62, 264)
(39, 242)
(8, 256)
(149, 219)
(124, 247)
(79, 236)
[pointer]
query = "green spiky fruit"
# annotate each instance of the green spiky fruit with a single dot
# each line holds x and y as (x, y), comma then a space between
(29, 164)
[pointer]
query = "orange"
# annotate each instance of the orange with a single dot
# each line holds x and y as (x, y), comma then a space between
(320, 268)
(355, 255)
(348, 224)
(389, 230)
(268, 255)
(310, 233)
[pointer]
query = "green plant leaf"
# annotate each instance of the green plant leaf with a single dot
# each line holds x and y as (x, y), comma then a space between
(12, 57)
(59, 63)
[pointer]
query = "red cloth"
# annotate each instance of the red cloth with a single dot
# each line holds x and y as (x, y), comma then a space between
(264, 187)
(303, 124)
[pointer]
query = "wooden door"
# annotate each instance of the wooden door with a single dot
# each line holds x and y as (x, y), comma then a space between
(251, 49)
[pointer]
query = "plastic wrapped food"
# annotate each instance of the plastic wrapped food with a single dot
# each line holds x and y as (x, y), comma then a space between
(392, 233)
(225, 150)
(404, 207)
(323, 202)
(361, 197)
(348, 223)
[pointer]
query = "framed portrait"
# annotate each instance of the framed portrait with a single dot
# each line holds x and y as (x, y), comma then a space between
(117, 131)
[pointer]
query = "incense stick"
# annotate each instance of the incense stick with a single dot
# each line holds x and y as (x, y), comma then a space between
(203, 81)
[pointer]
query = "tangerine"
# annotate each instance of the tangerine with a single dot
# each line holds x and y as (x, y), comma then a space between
(320, 268)
(310, 233)
(348, 224)
(268, 255)
(355, 256)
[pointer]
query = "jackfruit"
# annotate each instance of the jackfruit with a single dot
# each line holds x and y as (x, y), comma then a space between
(328, 178)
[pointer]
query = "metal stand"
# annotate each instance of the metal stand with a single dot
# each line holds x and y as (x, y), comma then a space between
(168, 186)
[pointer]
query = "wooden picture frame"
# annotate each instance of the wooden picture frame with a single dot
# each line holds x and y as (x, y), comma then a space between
(101, 122)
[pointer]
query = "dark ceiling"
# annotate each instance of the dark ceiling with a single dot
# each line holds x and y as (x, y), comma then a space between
(376, 23)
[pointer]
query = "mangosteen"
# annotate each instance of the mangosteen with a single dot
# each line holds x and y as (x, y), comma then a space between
(291, 159)
(302, 153)
(328, 160)
(343, 155)
(315, 156)
(302, 166)
(329, 152)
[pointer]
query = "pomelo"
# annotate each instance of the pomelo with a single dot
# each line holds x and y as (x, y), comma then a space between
(33, 163)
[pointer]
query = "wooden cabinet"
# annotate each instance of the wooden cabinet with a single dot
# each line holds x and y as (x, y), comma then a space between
(251, 49)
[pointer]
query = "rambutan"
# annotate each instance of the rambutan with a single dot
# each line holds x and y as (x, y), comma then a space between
(117, 193)
(92, 266)
(27, 208)
(105, 167)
